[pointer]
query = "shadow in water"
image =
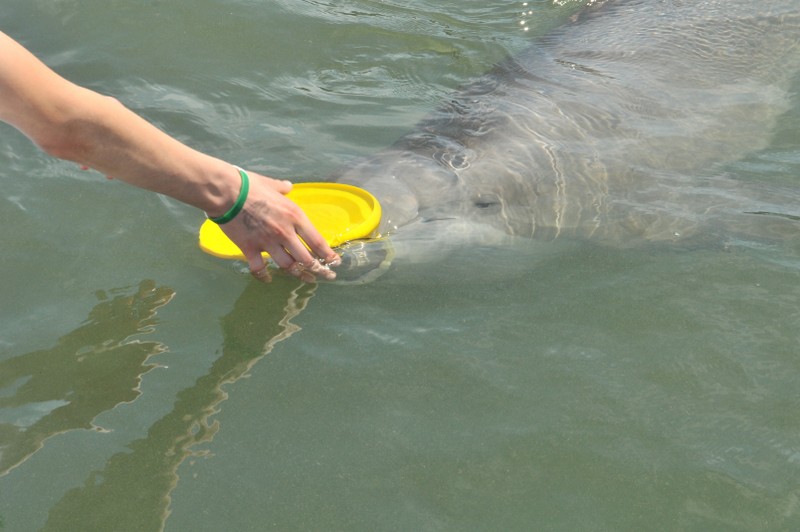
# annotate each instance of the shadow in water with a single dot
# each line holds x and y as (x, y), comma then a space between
(89, 371)
(133, 491)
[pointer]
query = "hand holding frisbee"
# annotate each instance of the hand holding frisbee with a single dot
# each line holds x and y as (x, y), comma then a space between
(341, 213)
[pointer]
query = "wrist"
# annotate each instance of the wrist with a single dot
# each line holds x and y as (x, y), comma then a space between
(231, 213)
(221, 191)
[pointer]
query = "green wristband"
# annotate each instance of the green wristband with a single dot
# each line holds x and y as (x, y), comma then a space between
(233, 211)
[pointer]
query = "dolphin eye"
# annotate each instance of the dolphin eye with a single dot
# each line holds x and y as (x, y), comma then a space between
(486, 201)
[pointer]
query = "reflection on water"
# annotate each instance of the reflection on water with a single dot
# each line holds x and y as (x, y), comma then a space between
(132, 492)
(89, 371)
(571, 388)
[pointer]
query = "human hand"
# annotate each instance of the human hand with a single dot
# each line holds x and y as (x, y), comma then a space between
(271, 222)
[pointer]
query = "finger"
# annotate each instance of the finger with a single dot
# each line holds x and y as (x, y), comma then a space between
(300, 263)
(318, 269)
(258, 267)
(319, 246)
(308, 262)
(299, 270)
(299, 251)
(262, 275)
(288, 263)
(280, 256)
(280, 185)
(332, 260)
(314, 244)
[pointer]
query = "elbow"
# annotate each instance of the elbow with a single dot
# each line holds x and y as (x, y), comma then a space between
(59, 146)
(65, 141)
(74, 135)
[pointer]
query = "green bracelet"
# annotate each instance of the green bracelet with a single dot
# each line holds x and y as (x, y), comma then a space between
(231, 214)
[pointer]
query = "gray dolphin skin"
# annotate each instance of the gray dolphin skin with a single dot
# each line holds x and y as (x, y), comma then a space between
(613, 127)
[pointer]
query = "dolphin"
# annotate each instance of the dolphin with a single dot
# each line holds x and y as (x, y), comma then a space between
(614, 127)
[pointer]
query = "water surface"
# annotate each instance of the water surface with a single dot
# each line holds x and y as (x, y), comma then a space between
(144, 385)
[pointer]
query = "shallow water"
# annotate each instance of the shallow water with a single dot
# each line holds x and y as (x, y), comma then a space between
(145, 385)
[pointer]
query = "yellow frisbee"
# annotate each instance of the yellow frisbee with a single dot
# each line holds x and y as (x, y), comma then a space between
(340, 212)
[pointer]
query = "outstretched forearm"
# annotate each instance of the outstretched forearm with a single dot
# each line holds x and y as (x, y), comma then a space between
(104, 135)
(77, 124)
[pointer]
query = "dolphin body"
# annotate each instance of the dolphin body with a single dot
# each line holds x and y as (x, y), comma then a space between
(614, 127)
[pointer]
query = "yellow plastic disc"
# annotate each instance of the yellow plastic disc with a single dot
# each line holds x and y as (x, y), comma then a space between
(340, 212)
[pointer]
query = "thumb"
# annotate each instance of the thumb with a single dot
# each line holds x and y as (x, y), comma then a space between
(279, 185)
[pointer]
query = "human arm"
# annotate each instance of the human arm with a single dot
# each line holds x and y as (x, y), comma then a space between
(74, 123)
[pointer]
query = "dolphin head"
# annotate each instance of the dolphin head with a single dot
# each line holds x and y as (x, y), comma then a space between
(424, 193)
(436, 206)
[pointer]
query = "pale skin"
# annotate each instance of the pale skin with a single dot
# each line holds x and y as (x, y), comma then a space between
(76, 124)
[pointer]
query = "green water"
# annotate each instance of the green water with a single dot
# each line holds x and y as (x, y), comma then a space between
(145, 385)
